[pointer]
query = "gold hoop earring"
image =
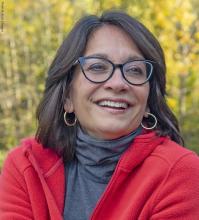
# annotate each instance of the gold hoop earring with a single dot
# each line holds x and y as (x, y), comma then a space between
(70, 119)
(155, 122)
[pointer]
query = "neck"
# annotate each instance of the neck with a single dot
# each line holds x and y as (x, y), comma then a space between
(99, 157)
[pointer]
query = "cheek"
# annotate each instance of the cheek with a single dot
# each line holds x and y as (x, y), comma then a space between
(142, 94)
(82, 92)
(77, 97)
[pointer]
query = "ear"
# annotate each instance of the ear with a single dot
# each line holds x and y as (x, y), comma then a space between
(68, 106)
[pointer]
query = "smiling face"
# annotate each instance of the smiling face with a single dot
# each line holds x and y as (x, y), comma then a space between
(114, 108)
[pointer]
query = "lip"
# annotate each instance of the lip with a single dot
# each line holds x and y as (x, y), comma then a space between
(113, 110)
(114, 100)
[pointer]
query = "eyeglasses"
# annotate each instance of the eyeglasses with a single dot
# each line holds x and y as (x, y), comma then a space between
(99, 70)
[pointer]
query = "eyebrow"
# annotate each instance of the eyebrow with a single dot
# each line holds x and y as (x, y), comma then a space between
(105, 56)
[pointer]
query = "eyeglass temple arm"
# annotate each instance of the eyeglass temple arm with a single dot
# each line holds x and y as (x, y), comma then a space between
(76, 62)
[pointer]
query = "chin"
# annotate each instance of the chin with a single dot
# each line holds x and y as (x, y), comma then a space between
(110, 133)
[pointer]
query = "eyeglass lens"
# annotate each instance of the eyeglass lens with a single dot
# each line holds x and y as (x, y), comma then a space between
(99, 70)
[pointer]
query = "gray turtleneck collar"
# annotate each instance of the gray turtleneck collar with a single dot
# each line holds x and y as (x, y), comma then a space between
(90, 171)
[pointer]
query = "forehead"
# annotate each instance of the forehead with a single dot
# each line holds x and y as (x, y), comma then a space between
(112, 41)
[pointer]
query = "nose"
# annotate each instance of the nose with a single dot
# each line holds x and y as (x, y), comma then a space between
(116, 83)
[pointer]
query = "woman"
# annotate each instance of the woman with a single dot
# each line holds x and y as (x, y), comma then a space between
(107, 145)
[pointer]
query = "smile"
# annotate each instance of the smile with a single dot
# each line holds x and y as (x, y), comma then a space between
(113, 104)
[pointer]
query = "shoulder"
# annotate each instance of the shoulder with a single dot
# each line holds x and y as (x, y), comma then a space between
(178, 191)
(21, 157)
(172, 153)
(178, 165)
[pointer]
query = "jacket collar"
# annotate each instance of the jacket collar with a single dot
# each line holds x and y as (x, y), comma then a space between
(50, 169)
(46, 161)
(142, 146)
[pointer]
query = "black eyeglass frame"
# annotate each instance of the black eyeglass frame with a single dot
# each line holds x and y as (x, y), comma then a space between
(80, 60)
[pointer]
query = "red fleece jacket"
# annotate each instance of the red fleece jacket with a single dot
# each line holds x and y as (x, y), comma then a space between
(154, 179)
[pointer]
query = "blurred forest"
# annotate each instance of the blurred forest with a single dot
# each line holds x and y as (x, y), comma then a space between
(31, 32)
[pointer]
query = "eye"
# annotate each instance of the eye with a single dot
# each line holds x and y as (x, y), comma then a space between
(97, 67)
(135, 69)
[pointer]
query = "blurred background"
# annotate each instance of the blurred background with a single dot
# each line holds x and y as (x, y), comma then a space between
(31, 32)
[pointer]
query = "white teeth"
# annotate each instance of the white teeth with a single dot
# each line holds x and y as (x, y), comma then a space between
(113, 104)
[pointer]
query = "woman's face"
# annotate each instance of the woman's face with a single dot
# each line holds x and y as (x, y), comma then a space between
(86, 98)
